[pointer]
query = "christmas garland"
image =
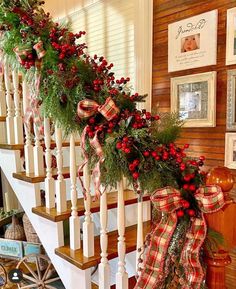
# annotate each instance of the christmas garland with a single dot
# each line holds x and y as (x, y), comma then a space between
(80, 93)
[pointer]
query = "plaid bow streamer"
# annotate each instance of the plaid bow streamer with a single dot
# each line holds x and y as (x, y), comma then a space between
(88, 107)
(168, 200)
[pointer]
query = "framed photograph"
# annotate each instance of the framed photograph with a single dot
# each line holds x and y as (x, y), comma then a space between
(231, 37)
(230, 150)
(194, 98)
(231, 100)
(188, 42)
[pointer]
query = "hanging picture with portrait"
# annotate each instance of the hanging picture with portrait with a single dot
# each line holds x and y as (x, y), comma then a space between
(231, 37)
(188, 42)
(193, 97)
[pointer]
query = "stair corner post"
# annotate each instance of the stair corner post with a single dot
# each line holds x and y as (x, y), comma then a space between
(38, 153)
(75, 242)
(88, 225)
(121, 275)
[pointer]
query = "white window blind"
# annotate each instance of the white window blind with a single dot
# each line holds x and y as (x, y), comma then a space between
(109, 26)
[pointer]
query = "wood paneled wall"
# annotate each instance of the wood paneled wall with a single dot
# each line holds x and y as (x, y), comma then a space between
(203, 141)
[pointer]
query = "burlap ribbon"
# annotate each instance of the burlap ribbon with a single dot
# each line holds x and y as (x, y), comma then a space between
(88, 107)
(168, 200)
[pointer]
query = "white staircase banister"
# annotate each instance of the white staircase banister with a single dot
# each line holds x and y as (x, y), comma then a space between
(3, 109)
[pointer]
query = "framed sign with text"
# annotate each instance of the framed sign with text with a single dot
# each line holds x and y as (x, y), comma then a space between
(192, 42)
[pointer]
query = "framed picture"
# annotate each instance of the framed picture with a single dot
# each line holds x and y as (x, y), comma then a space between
(231, 37)
(231, 100)
(230, 150)
(194, 98)
(188, 42)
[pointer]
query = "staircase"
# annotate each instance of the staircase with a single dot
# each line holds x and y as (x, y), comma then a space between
(80, 235)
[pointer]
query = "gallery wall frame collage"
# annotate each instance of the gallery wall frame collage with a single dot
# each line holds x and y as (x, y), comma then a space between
(194, 96)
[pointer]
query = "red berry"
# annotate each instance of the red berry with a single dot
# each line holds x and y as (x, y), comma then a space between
(185, 186)
(186, 146)
(156, 117)
(127, 150)
(187, 178)
(180, 213)
(119, 145)
(135, 175)
(91, 134)
(185, 204)
(192, 188)
(157, 158)
(146, 153)
(136, 162)
(109, 130)
(191, 213)
(202, 158)
(131, 167)
(125, 139)
(154, 154)
(92, 120)
(182, 167)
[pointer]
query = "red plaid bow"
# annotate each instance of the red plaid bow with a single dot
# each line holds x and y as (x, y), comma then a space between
(168, 200)
(88, 107)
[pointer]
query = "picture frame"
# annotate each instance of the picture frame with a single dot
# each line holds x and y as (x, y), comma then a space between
(230, 150)
(188, 42)
(231, 100)
(193, 97)
(231, 37)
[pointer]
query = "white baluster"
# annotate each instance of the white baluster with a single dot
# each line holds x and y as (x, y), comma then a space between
(140, 246)
(104, 267)
(121, 275)
(60, 182)
(88, 225)
(3, 110)
(38, 153)
(18, 118)
(49, 181)
(74, 218)
(28, 148)
(10, 109)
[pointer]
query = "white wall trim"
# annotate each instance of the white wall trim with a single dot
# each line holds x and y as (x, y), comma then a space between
(143, 35)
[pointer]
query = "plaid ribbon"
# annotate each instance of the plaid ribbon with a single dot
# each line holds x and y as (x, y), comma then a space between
(32, 112)
(96, 174)
(169, 200)
(38, 47)
(88, 107)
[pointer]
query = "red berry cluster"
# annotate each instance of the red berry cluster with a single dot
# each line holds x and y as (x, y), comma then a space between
(28, 62)
(133, 167)
(99, 65)
(104, 128)
(125, 144)
(185, 210)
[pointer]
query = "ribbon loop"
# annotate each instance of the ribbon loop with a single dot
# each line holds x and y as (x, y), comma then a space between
(87, 108)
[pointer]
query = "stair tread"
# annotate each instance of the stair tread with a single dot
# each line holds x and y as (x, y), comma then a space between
(32, 178)
(51, 214)
(2, 118)
(76, 257)
(21, 146)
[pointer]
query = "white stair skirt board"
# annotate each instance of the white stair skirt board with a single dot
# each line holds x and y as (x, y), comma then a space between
(28, 195)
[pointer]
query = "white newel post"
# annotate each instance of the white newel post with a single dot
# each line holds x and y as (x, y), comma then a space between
(121, 275)
(49, 181)
(3, 110)
(10, 109)
(18, 122)
(38, 153)
(60, 182)
(74, 218)
(140, 247)
(104, 267)
(88, 225)
(28, 147)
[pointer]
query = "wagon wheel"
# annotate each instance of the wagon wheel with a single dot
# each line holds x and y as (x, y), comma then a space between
(3, 276)
(35, 276)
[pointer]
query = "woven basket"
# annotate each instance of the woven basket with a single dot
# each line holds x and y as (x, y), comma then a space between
(31, 235)
(15, 231)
